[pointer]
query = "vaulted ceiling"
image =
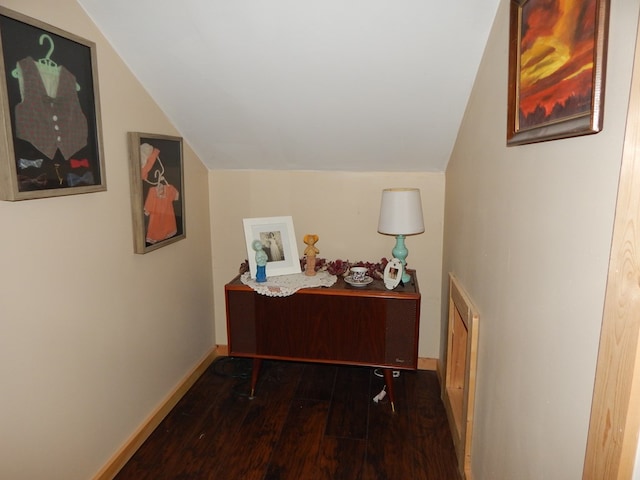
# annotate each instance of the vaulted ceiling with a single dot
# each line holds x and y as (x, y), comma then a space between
(353, 85)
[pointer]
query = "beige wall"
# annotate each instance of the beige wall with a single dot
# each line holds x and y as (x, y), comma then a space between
(342, 208)
(92, 336)
(527, 232)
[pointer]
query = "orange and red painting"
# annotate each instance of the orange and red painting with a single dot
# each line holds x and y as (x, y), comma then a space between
(556, 55)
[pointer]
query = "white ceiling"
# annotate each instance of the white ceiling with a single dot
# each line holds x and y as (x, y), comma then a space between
(353, 85)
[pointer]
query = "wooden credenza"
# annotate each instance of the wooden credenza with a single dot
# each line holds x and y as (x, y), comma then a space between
(341, 324)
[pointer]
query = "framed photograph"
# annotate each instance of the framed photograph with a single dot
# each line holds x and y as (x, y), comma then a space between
(278, 241)
(157, 190)
(557, 57)
(50, 138)
(392, 273)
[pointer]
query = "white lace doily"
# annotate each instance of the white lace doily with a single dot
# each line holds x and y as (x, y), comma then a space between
(285, 285)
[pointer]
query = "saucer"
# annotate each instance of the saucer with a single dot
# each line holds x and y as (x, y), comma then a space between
(349, 279)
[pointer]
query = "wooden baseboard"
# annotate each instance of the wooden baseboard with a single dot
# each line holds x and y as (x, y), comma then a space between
(223, 350)
(122, 456)
(428, 364)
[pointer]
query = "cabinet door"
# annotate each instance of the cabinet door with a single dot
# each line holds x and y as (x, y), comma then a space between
(241, 314)
(321, 327)
(402, 332)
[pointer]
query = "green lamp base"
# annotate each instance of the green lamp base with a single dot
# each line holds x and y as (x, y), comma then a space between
(400, 252)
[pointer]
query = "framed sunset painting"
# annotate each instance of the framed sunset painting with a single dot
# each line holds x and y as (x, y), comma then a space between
(557, 56)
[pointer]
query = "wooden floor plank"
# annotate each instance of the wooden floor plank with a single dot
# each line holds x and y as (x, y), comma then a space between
(201, 452)
(306, 422)
(341, 458)
(388, 455)
(318, 381)
(167, 441)
(429, 429)
(255, 440)
(297, 452)
(349, 412)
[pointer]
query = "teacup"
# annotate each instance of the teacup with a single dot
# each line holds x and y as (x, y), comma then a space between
(358, 274)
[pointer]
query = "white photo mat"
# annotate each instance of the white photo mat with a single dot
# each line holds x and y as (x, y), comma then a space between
(279, 240)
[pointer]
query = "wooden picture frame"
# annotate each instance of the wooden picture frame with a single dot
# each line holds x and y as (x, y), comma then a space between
(51, 148)
(279, 239)
(157, 190)
(556, 69)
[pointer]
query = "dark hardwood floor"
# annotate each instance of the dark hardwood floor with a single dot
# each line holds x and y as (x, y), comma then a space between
(306, 422)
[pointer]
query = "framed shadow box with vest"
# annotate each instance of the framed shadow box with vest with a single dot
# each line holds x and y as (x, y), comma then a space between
(50, 140)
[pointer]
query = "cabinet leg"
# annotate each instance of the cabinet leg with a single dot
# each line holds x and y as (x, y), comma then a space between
(388, 380)
(255, 372)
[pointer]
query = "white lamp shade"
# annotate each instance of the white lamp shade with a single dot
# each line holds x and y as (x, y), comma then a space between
(401, 212)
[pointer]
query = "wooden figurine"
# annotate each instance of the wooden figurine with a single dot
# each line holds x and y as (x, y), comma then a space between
(310, 252)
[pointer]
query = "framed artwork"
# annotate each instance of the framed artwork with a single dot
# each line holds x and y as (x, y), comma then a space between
(50, 138)
(278, 241)
(157, 190)
(557, 57)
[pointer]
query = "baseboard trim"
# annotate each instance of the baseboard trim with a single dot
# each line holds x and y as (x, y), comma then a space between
(428, 364)
(126, 451)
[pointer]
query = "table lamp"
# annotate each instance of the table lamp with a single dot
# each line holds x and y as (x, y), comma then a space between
(401, 215)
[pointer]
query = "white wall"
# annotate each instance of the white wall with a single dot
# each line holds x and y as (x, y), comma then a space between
(342, 208)
(93, 336)
(527, 232)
